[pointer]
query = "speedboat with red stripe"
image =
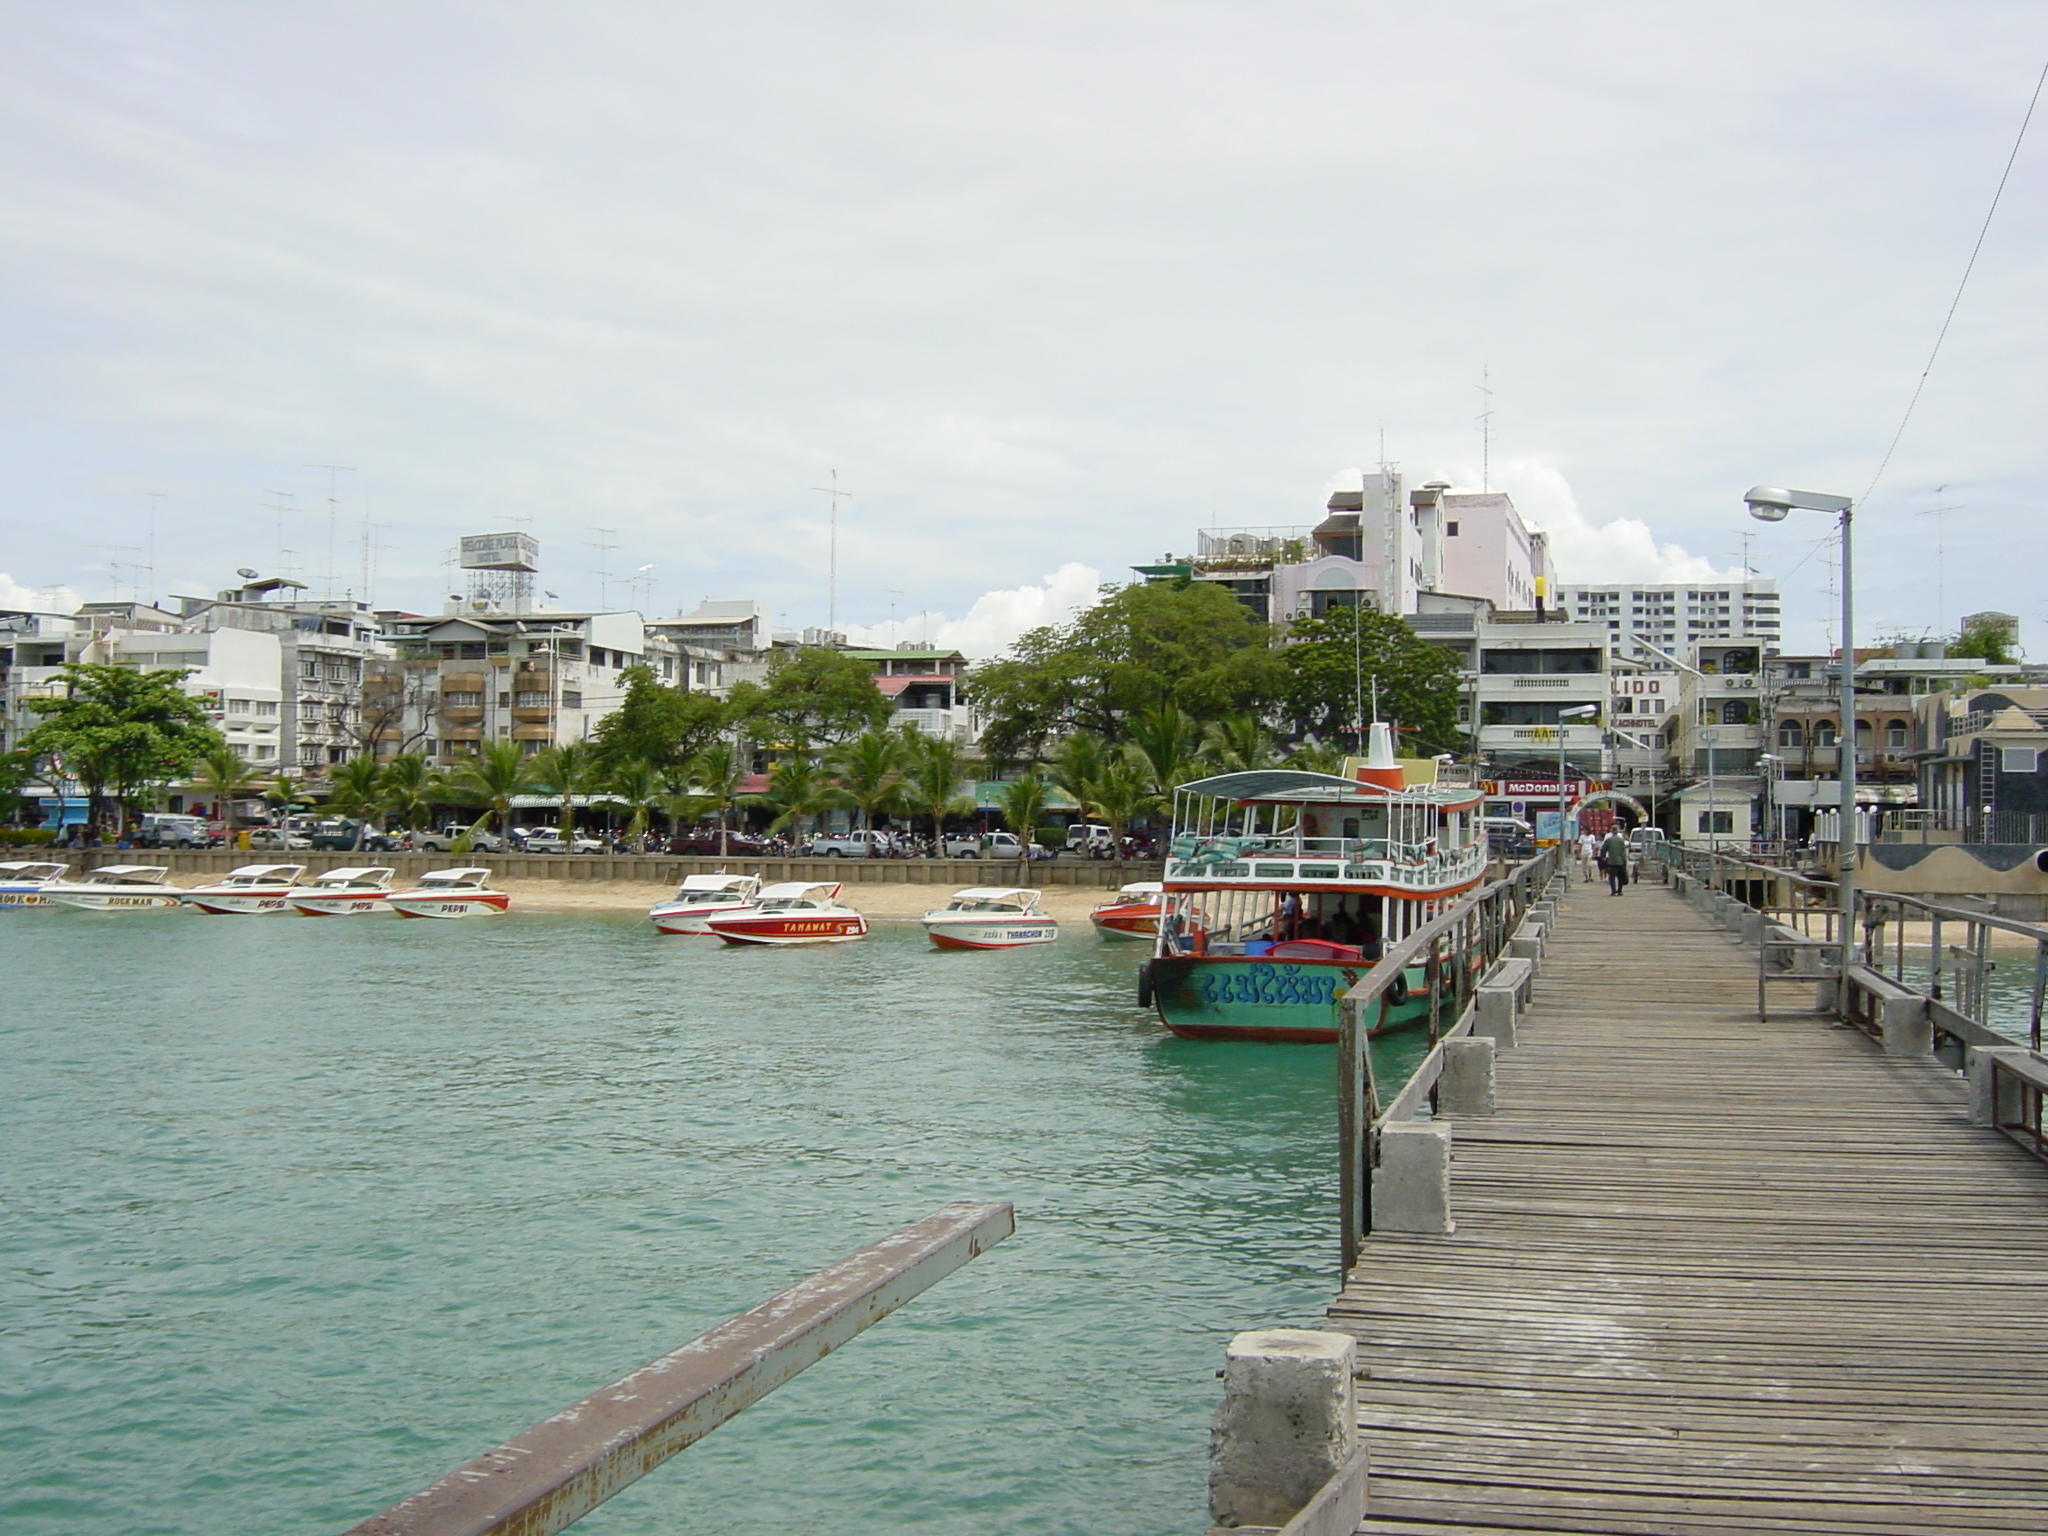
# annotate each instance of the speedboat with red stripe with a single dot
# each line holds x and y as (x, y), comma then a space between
(795, 912)
(451, 893)
(701, 897)
(345, 893)
(991, 917)
(1133, 913)
(254, 890)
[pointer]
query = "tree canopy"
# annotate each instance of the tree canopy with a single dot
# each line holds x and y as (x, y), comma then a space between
(1991, 637)
(812, 695)
(120, 731)
(1347, 652)
(658, 725)
(1195, 646)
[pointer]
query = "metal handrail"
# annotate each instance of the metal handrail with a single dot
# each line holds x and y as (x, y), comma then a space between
(558, 1471)
(1459, 943)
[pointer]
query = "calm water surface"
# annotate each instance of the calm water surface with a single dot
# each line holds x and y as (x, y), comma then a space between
(299, 1215)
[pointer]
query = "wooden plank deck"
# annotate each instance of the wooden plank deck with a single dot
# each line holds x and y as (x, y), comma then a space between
(1709, 1276)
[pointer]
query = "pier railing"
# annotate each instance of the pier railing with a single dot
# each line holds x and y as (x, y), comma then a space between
(1475, 947)
(546, 1479)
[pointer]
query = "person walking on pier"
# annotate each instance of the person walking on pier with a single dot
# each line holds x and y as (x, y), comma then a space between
(1614, 858)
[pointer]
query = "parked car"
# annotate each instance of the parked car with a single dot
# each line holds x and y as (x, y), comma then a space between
(161, 830)
(442, 840)
(866, 844)
(1091, 838)
(549, 840)
(982, 845)
(279, 840)
(701, 843)
(388, 842)
(335, 834)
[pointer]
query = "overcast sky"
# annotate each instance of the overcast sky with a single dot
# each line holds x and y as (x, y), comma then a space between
(1049, 285)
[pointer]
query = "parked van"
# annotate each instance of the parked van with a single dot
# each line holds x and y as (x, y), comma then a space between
(163, 830)
(1091, 838)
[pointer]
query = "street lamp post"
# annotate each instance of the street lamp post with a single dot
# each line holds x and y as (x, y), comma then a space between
(1576, 712)
(1770, 504)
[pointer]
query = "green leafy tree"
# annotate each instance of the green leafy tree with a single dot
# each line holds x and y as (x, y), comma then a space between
(1238, 744)
(797, 792)
(1170, 741)
(1313, 756)
(357, 789)
(869, 770)
(1022, 803)
(812, 695)
(121, 732)
(1330, 661)
(1077, 765)
(490, 779)
(224, 777)
(1196, 647)
(567, 771)
(1123, 791)
(657, 724)
(640, 785)
(17, 771)
(714, 776)
(932, 780)
(408, 786)
(1992, 637)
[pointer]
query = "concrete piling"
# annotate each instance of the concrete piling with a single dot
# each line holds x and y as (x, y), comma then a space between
(1287, 1424)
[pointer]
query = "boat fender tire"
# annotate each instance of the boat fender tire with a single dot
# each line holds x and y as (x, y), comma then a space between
(1145, 985)
(1397, 990)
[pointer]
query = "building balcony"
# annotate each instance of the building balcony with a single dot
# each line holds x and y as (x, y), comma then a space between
(532, 733)
(532, 714)
(462, 733)
(462, 682)
(462, 714)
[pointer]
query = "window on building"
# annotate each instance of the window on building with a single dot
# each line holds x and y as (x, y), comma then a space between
(1897, 737)
(266, 706)
(1737, 711)
(309, 670)
(572, 698)
(1790, 735)
(240, 707)
(529, 700)
(463, 700)
(1451, 532)
(1711, 822)
(1824, 733)
(472, 650)
(2019, 759)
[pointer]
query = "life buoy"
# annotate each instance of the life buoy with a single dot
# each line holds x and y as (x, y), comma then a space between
(1145, 985)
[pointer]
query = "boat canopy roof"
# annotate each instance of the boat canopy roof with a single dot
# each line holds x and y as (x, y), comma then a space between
(22, 869)
(995, 893)
(718, 882)
(371, 876)
(1142, 888)
(127, 874)
(802, 890)
(455, 877)
(1299, 786)
(250, 873)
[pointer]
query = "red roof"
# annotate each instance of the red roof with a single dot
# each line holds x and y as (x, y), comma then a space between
(892, 686)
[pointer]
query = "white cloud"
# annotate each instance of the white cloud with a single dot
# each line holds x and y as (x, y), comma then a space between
(995, 621)
(1620, 549)
(38, 599)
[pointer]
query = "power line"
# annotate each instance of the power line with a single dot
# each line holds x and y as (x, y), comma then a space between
(1968, 267)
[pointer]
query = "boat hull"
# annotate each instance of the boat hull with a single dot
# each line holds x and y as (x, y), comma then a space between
(241, 903)
(778, 929)
(1249, 998)
(1136, 921)
(690, 920)
(467, 904)
(117, 901)
(359, 905)
(1011, 933)
(24, 899)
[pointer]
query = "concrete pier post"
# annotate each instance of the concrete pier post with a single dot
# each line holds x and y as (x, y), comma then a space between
(2004, 1108)
(1287, 1425)
(1411, 1188)
(1466, 1087)
(1493, 1015)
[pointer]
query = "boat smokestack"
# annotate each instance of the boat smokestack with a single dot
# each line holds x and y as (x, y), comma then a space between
(1380, 767)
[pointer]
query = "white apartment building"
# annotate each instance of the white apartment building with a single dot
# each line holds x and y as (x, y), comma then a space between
(236, 672)
(1520, 673)
(1673, 615)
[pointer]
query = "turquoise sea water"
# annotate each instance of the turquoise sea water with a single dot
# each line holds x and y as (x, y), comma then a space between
(299, 1215)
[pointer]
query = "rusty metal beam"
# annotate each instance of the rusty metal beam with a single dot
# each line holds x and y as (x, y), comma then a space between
(565, 1466)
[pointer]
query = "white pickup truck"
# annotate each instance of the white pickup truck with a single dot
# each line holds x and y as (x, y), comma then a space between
(443, 840)
(851, 845)
(982, 845)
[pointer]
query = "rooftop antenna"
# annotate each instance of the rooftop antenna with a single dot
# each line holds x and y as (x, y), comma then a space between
(1485, 419)
(280, 507)
(115, 567)
(334, 471)
(832, 551)
(894, 593)
(1939, 512)
(643, 587)
(604, 546)
(149, 559)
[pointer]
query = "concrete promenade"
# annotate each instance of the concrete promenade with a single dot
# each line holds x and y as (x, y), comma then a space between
(1709, 1276)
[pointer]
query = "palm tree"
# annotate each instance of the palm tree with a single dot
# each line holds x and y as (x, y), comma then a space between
(714, 775)
(1169, 740)
(224, 778)
(637, 782)
(869, 771)
(1314, 756)
(407, 786)
(797, 789)
(1239, 744)
(1076, 766)
(1022, 804)
(936, 767)
(497, 772)
(1123, 791)
(357, 789)
(567, 771)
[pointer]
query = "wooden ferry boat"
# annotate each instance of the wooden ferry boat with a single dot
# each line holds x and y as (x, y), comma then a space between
(1283, 887)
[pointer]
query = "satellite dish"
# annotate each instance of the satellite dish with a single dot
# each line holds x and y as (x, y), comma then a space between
(246, 574)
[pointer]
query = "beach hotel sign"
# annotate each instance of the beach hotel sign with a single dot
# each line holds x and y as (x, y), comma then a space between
(1640, 702)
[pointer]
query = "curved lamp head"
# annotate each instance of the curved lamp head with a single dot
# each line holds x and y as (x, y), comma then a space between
(1770, 503)
(1580, 712)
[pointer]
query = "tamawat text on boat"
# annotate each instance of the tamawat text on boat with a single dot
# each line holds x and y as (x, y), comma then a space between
(1284, 886)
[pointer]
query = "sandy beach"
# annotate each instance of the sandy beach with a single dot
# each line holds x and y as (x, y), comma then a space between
(880, 903)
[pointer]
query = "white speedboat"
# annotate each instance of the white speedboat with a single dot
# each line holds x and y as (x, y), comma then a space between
(451, 893)
(118, 888)
(990, 917)
(254, 889)
(344, 893)
(26, 884)
(1132, 913)
(797, 912)
(704, 896)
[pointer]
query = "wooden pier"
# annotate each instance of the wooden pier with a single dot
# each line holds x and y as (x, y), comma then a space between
(1709, 1277)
